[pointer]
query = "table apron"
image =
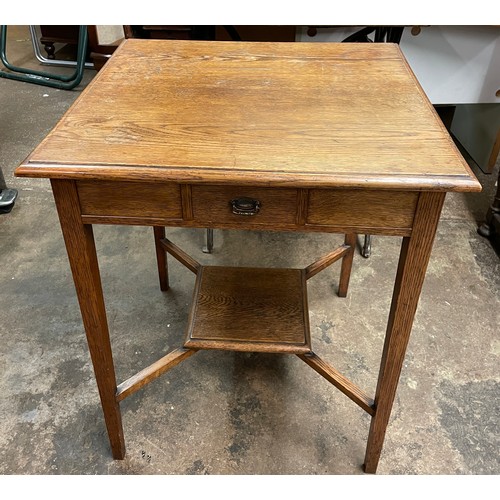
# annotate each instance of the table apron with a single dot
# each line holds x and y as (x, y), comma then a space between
(257, 208)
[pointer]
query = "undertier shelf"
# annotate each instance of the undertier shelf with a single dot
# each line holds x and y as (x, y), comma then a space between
(249, 309)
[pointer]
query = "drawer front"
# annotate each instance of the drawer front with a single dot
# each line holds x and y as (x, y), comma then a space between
(130, 199)
(212, 204)
(364, 209)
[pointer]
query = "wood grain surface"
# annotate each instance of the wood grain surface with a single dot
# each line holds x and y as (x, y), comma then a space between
(151, 372)
(211, 204)
(250, 309)
(302, 114)
(130, 199)
(349, 207)
(161, 258)
(345, 271)
(413, 260)
(339, 381)
(80, 245)
(280, 208)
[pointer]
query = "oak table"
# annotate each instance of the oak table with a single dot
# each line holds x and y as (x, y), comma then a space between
(335, 138)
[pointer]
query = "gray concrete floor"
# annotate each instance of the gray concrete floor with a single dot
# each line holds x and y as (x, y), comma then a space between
(234, 413)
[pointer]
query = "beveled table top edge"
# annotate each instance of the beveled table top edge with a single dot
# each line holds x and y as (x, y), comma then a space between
(184, 175)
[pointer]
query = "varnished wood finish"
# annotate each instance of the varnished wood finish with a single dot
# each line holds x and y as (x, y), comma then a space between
(345, 271)
(161, 258)
(130, 199)
(278, 226)
(227, 302)
(211, 204)
(415, 253)
(281, 209)
(302, 204)
(133, 221)
(254, 113)
(250, 178)
(187, 202)
(329, 138)
(147, 375)
(347, 207)
(180, 255)
(325, 261)
(339, 381)
(82, 257)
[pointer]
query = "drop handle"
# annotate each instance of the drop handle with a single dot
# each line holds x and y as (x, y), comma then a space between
(245, 206)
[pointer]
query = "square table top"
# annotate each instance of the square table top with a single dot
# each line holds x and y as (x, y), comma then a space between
(297, 114)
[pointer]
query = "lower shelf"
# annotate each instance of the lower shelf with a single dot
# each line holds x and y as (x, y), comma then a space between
(249, 309)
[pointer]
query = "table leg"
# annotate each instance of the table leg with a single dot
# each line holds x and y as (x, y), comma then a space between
(345, 270)
(82, 256)
(161, 258)
(414, 257)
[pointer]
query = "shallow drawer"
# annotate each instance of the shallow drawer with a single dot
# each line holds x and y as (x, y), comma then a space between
(354, 208)
(212, 204)
(130, 199)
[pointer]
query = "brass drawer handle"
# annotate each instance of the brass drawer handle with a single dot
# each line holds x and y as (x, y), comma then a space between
(245, 206)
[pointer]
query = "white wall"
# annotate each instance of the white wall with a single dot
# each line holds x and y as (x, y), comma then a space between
(454, 64)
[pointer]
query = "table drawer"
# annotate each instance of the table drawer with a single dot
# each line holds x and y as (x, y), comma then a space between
(364, 209)
(212, 204)
(130, 199)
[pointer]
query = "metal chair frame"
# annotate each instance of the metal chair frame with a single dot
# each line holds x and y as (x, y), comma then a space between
(64, 82)
(51, 62)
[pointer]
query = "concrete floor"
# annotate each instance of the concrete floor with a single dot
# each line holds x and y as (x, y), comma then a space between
(234, 413)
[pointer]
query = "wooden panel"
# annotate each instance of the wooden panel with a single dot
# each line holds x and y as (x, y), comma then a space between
(249, 309)
(130, 199)
(212, 204)
(362, 208)
(321, 114)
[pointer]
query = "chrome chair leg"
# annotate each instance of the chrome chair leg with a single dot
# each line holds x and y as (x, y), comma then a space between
(209, 241)
(7, 196)
(7, 200)
(367, 246)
